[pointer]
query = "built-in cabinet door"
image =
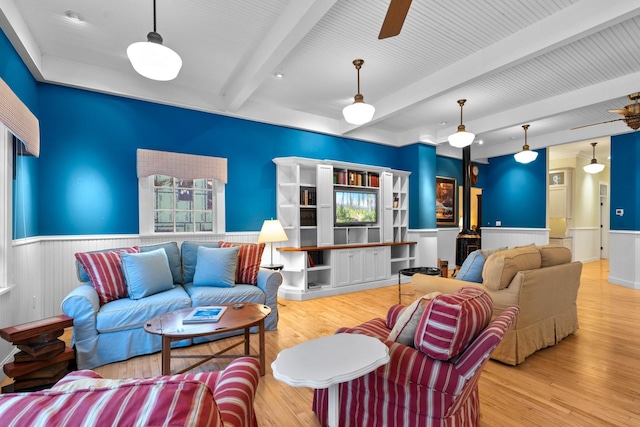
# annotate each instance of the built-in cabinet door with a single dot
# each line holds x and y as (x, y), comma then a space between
(324, 204)
(376, 264)
(386, 190)
(348, 267)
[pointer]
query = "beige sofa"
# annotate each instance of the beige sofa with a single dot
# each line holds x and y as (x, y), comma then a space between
(541, 280)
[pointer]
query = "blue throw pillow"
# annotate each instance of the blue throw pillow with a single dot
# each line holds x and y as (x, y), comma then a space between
(146, 273)
(216, 267)
(173, 256)
(471, 269)
(189, 256)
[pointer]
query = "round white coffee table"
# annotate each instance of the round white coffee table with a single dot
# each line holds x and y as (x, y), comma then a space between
(328, 361)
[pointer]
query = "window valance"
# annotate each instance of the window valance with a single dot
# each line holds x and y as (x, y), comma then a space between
(19, 119)
(185, 166)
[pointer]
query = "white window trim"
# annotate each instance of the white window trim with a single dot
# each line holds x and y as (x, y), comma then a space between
(6, 178)
(145, 211)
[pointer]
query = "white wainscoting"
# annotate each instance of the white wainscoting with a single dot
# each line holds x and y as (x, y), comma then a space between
(447, 245)
(426, 246)
(44, 271)
(624, 258)
(498, 237)
(585, 244)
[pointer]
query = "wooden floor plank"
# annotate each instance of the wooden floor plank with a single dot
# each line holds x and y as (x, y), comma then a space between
(592, 378)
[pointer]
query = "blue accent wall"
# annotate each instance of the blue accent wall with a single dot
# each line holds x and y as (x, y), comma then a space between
(88, 161)
(625, 181)
(513, 193)
(420, 160)
(25, 204)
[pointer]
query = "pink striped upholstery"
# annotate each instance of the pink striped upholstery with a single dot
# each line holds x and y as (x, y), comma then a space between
(414, 389)
(216, 399)
(105, 271)
(451, 321)
(249, 259)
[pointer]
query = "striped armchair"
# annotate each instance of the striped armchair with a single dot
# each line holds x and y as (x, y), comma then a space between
(424, 386)
(83, 398)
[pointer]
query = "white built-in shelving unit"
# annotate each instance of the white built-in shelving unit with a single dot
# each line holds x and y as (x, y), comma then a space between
(322, 258)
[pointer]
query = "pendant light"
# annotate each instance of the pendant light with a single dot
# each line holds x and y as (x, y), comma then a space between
(461, 138)
(152, 59)
(358, 113)
(594, 166)
(526, 155)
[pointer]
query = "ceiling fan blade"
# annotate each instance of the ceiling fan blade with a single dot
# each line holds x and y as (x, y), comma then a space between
(593, 124)
(394, 19)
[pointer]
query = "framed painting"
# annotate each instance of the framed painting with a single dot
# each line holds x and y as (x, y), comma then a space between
(446, 201)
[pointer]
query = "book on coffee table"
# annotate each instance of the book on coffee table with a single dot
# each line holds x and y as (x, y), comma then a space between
(211, 313)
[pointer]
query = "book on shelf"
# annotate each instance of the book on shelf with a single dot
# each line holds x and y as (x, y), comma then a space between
(310, 262)
(210, 313)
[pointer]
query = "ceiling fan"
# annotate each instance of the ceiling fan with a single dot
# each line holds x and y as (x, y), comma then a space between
(630, 112)
(394, 19)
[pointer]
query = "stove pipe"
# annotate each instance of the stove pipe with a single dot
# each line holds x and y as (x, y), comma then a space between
(468, 240)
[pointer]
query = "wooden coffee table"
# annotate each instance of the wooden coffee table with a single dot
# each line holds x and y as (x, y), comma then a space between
(171, 328)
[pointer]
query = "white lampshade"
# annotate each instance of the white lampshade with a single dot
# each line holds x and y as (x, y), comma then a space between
(461, 139)
(358, 113)
(153, 60)
(526, 156)
(272, 231)
(593, 167)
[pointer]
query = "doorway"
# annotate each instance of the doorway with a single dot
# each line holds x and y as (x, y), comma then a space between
(604, 220)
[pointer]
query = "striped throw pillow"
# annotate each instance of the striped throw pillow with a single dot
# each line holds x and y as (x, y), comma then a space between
(248, 264)
(105, 272)
(452, 321)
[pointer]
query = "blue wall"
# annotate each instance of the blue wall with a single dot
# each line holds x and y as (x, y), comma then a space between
(25, 203)
(88, 161)
(515, 194)
(85, 179)
(625, 181)
(420, 160)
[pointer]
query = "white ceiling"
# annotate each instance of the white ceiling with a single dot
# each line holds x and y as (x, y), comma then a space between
(555, 64)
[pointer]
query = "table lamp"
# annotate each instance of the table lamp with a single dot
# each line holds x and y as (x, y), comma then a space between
(272, 231)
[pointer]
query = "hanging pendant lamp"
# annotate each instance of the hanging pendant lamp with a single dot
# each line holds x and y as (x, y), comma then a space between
(152, 59)
(358, 113)
(594, 166)
(461, 138)
(526, 155)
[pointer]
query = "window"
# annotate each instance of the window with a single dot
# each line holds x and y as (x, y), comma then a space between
(181, 193)
(183, 205)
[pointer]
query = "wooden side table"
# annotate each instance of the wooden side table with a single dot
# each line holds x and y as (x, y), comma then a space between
(43, 358)
(328, 361)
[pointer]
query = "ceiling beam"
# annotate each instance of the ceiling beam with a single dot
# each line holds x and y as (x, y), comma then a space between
(294, 23)
(557, 30)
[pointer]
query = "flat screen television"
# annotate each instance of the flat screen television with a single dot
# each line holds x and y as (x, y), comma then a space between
(355, 206)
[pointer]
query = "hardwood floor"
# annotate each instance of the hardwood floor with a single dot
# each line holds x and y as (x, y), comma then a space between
(592, 378)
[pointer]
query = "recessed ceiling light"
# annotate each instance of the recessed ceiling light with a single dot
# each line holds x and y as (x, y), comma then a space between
(443, 123)
(279, 75)
(74, 16)
(480, 142)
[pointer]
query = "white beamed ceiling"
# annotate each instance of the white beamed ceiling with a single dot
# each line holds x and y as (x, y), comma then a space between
(556, 64)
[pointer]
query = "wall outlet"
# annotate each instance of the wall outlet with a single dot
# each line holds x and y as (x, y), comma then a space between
(620, 212)
(498, 223)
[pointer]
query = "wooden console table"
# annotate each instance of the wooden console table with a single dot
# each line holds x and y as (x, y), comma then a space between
(43, 358)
